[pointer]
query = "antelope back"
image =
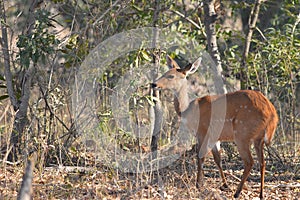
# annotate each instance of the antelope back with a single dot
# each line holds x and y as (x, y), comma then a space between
(249, 115)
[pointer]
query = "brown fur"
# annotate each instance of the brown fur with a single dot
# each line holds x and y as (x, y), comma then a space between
(244, 117)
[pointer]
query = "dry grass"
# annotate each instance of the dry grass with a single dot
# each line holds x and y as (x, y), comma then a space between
(177, 181)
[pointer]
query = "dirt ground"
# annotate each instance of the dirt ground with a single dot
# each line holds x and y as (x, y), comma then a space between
(96, 181)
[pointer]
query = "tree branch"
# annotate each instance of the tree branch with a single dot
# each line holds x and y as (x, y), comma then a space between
(251, 26)
(188, 19)
(7, 71)
(210, 21)
(156, 111)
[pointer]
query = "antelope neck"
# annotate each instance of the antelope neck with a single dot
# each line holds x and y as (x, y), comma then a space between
(181, 99)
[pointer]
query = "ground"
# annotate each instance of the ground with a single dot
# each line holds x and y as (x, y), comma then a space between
(173, 182)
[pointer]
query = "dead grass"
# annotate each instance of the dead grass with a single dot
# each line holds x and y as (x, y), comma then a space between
(177, 181)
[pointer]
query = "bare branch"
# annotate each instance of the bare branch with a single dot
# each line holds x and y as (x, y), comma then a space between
(7, 71)
(251, 26)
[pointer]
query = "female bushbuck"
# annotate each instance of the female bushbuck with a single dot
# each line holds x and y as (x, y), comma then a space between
(249, 117)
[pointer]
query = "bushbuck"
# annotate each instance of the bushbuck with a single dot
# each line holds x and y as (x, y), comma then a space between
(245, 117)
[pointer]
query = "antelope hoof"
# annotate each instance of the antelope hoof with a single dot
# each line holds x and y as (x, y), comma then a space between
(236, 195)
(261, 197)
(224, 187)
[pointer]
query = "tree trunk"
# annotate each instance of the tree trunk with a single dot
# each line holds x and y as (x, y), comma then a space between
(21, 119)
(20, 105)
(9, 84)
(7, 72)
(156, 111)
(26, 190)
(251, 26)
(210, 23)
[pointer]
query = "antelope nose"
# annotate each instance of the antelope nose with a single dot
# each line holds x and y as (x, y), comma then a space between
(153, 85)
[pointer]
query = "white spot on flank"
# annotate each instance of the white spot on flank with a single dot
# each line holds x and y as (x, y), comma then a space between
(245, 107)
(249, 110)
(236, 110)
(236, 121)
(241, 106)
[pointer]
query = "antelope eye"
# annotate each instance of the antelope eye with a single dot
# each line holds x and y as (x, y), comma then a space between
(170, 77)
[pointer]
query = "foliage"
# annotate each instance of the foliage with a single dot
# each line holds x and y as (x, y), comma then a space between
(277, 60)
(75, 50)
(273, 62)
(38, 43)
(274, 68)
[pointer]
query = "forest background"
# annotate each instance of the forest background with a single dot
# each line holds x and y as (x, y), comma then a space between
(45, 45)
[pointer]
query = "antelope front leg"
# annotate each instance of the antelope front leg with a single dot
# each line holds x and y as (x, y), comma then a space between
(200, 173)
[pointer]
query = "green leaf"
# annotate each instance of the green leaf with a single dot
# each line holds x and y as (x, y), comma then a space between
(146, 56)
(137, 8)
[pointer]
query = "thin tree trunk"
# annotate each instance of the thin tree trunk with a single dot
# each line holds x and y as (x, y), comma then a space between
(210, 24)
(251, 26)
(9, 83)
(21, 119)
(157, 109)
(7, 72)
(20, 105)
(26, 191)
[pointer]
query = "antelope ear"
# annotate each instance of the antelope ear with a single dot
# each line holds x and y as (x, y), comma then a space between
(172, 63)
(193, 68)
